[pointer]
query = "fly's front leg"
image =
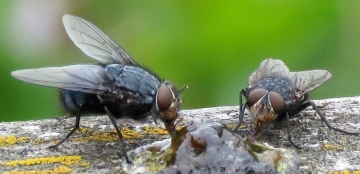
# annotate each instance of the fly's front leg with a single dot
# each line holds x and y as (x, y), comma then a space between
(154, 118)
(241, 108)
(288, 131)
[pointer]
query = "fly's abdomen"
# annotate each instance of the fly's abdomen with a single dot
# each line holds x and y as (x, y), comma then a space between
(74, 101)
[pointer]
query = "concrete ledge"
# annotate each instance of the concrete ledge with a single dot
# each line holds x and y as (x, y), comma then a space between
(94, 149)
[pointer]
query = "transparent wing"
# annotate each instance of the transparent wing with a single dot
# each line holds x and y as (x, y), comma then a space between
(306, 81)
(84, 78)
(95, 43)
(266, 68)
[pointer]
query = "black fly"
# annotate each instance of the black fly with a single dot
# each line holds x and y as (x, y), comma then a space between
(118, 86)
(275, 93)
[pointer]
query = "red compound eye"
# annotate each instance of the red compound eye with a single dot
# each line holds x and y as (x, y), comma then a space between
(255, 96)
(164, 97)
(277, 102)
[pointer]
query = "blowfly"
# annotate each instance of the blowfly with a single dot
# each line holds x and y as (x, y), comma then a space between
(117, 85)
(274, 93)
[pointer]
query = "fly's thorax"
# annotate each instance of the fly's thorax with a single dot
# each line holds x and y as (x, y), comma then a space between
(135, 80)
(278, 83)
(265, 105)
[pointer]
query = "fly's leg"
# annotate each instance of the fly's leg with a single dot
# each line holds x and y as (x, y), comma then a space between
(241, 108)
(310, 103)
(121, 138)
(76, 126)
(153, 115)
(288, 131)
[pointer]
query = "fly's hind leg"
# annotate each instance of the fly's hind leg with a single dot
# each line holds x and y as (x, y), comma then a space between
(310, 103)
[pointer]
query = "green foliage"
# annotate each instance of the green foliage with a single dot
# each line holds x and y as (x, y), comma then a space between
(212, 46)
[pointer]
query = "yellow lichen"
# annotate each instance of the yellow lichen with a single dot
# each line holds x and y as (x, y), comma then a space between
(243, 126)
(153, 130)
(57, 170)
(108, 136)
(38, 141)
(11, 140)
(345, 172)
(127, 133)
(329, 147)
(85, 164)
(67, 160)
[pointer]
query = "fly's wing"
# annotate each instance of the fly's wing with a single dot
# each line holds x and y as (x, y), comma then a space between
(95, 43)
(84, 78)
(306, 81)
(266, 68)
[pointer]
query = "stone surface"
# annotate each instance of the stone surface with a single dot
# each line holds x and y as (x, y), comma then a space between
(23, 145)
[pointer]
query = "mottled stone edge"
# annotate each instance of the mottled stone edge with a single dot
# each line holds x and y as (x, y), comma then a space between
(337, 153)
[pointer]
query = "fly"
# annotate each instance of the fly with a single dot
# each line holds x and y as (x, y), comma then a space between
(117, 86)
(275, 93)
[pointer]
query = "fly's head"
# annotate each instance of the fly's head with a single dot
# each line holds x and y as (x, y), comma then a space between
(265, 106)
(168, 104)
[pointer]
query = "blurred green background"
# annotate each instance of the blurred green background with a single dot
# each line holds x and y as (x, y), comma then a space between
(212, 46)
